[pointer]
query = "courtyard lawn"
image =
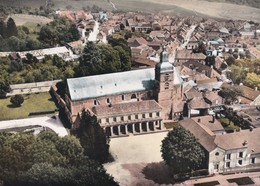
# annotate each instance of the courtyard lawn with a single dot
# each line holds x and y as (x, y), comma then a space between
(32, 103)
(228, 125)
(241, 181)
(212, 183)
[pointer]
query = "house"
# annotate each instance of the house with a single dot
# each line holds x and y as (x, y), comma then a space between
(183, 56)
(249, 95)
(229, 152)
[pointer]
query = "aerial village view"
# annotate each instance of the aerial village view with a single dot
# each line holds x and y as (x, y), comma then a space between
(129, 93)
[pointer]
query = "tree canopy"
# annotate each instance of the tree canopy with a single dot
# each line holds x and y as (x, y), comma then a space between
(17, 100)
(92, 138)
(47, 159)
(230, 93)
(102, 59)
(181, 151)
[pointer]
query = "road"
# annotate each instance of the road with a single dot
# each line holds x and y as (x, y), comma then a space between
(53, 123)
(187, 39)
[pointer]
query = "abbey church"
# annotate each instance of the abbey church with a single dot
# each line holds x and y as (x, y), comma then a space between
(136, 101)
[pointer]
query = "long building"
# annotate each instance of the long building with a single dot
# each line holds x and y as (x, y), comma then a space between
(142, 98)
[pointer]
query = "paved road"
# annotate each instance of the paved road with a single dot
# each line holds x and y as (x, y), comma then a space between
(53, 123)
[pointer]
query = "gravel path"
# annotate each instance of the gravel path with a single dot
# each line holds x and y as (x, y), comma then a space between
(53, 123)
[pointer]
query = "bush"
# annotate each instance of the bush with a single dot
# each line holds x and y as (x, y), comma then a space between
(17, 100)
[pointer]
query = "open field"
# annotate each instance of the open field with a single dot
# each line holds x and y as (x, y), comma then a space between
(32, 103)
(175, 7)
(22, 19)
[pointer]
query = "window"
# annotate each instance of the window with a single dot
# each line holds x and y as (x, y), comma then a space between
(252, 160)
(136, 116)
(217, 153)
(95, 102)
(150, 115)
(122, 118)
(123, 97)
(240, 154)
(240, 162)
(133, 96)
(157, 114)
(129, 117)
(114, 119)
(228, 164)
(107, 120)
(228, 156)
(216, 166)
(108, 100)
(143, 115)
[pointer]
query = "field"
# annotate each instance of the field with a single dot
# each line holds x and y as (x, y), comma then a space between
(217, 8)
(32, 103)
(22, 19)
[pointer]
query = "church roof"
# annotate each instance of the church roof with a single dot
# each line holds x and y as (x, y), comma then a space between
(109, 84)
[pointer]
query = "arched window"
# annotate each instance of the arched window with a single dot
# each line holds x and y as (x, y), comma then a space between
(217, 153)
(133, 96)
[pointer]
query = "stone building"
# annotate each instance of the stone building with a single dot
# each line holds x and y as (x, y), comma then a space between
(132, 101)
(226, 152)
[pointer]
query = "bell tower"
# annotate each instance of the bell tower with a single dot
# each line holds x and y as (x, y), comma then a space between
(164, 83)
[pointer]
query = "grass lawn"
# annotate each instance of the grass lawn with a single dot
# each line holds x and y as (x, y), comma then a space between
(241, 181)
(228, 125)
(212, 183)
(32, 103)
(171, 125)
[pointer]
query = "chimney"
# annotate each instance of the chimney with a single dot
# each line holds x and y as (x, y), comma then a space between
(213, 119)
(245, 143)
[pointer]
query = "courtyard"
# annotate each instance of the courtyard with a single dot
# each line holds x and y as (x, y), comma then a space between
(138, 162)
(32, 103)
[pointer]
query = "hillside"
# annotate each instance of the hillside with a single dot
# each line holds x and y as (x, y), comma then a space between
(252, 3)
(211, 8)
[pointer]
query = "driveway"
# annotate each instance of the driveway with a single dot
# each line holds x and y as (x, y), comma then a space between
(53, 123)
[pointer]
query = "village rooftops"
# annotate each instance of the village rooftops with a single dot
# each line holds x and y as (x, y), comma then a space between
(134, 107)
(229, 141)
(187, 54)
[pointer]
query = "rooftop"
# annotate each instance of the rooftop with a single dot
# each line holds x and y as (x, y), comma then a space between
(135, 107)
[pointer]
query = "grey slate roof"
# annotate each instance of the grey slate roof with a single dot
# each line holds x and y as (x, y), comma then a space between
(109, 84)
(114, 83)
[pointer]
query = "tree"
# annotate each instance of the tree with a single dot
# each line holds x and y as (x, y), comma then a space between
(230, 60)
(47, 159)
(4, 89)
(236, 74)
(110, 59)
(181, 151)
(92, 138)
(17, 100)
(11, 28)
(2, 29)
(125, 59)
(90, 62)
(230, 93)
(252, 80)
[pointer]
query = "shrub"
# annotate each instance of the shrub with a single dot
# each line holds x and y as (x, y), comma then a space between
(17, 100)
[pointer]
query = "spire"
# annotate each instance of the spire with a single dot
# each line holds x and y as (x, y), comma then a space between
(164, 55)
